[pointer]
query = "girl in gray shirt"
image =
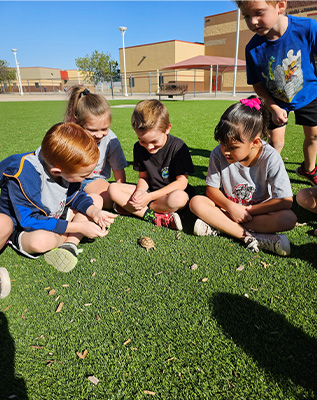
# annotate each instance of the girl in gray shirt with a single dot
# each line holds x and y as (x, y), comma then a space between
(249, 195)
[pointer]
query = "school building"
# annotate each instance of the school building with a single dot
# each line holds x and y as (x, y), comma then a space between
(149, 65)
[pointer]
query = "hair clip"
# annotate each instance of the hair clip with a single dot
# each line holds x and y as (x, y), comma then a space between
(84, 92)
(255, 102)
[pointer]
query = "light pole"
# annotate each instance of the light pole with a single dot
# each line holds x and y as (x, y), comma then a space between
(123, 29)
(18, 71)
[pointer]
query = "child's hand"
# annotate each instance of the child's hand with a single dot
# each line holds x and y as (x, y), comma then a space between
(92, 230)
(104, 218)
(139, 200)
(279, 116)
(239, 213)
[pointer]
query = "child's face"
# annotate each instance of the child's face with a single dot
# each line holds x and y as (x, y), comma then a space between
(237, 151)
(154, 139)
(98, 126)
(261, 16)
(78, 176)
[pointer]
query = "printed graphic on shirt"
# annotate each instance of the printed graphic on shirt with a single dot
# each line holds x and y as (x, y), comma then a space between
(57, 214)
(285, 79)
(165, 173)
(242, 194)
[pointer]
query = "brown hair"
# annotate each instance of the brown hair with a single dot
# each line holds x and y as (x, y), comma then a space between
(150, 114)
(240, 2)
(82, 104)
(69, 147)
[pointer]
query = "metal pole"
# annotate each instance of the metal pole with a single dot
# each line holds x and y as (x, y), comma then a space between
(157, 81)
(18, 71)
(236, 53)
(210, 80)
(194, 82)
(123, 29)
(216, 86)
(131, 84)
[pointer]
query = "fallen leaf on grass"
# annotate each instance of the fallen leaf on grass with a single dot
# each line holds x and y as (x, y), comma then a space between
(149, 392)
(92, 260)
(87, 304)
(299, 224)
(178, 236)
(126, 342)
(170, 359)
(6, 309)
(204, 280)
(241, 268)
(65, 285)
(60, 306)
(159, 273)
(246, 295)
(93, 274)
(46, 288)
(265, 265)
(194, 267)
(51, 292)
(37, 347)
(98, 318)
(57, 298)
(82, 355)
(93, 379)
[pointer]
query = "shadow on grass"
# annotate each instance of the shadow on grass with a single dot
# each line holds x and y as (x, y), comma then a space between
(280, 348)
(10, 386)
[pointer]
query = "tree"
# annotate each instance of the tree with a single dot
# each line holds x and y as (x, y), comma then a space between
(96, 68)
(6, 74)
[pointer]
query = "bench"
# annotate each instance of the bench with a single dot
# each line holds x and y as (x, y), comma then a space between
(172, 89)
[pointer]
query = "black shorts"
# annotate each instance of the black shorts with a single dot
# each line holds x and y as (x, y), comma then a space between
(305, 116)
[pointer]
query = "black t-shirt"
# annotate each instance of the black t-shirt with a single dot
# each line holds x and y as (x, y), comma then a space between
(172, 160)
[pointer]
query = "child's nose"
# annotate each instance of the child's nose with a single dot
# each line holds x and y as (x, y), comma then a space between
(254, 20)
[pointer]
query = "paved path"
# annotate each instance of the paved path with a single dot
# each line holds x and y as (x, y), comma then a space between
(63, 96)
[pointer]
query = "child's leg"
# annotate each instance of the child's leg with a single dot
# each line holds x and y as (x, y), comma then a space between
(121, 193)
(310, 147)
(207, 210)
(277, 221)
(171, 202)
(307, 198)
(101, 187)
(6, 225)
(277, 138)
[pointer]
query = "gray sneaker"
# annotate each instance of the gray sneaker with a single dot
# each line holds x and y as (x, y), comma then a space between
(64, 257)
(5, 283)
(276, 243)
(203, 229)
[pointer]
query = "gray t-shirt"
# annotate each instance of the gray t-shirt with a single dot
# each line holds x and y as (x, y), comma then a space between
(53, 194)
(111, 156)
(266, 180)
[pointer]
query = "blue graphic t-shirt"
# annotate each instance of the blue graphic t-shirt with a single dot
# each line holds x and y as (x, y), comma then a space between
(286, 66)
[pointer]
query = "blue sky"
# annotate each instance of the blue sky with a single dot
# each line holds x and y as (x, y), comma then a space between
(54, 33)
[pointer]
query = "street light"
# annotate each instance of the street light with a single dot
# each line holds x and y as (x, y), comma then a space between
(18, 71)
(123, 29)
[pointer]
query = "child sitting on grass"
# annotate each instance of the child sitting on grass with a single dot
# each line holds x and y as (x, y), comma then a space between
(92, 112)
(41, 199)
(249, 195)
(307, 198)
(163, 162)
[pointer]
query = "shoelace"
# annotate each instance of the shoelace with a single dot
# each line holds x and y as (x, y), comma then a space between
(252, 244)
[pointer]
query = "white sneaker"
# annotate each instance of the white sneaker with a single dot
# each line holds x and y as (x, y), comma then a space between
(203, 229)
(5, 283)
(276, 243)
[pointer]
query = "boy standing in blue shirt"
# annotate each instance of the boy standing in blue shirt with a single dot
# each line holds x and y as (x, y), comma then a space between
(281, 68)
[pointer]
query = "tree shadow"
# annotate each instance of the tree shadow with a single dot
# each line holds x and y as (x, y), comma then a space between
(279, 347)
(10, 385)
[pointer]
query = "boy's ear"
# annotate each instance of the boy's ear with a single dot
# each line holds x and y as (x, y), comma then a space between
(168, 129)
(256, 141)
(282, 6)
(55, 171)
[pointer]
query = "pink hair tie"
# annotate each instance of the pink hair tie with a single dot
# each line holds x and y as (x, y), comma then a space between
(255, 102)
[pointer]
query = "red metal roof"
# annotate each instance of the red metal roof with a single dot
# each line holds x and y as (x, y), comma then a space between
(204, 62)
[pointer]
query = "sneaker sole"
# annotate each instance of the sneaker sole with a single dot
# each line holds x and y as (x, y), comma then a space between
(5, 283)
(305, 177)
(61, 259)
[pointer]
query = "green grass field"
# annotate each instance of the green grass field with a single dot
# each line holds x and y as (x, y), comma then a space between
(146, 325)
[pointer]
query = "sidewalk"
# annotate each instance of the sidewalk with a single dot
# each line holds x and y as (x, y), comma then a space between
(139, 96)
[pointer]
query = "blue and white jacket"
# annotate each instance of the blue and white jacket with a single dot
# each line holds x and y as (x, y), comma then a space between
(21, 200)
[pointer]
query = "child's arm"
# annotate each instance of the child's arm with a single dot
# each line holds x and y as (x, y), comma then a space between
(271, 205)
(139, 198)
(119, 175)
(237, 212)
(279, 115)
(180, 183)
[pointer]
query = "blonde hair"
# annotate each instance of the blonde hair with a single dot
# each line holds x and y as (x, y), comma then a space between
(150, 114)
(69, 147)
(82, 104)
